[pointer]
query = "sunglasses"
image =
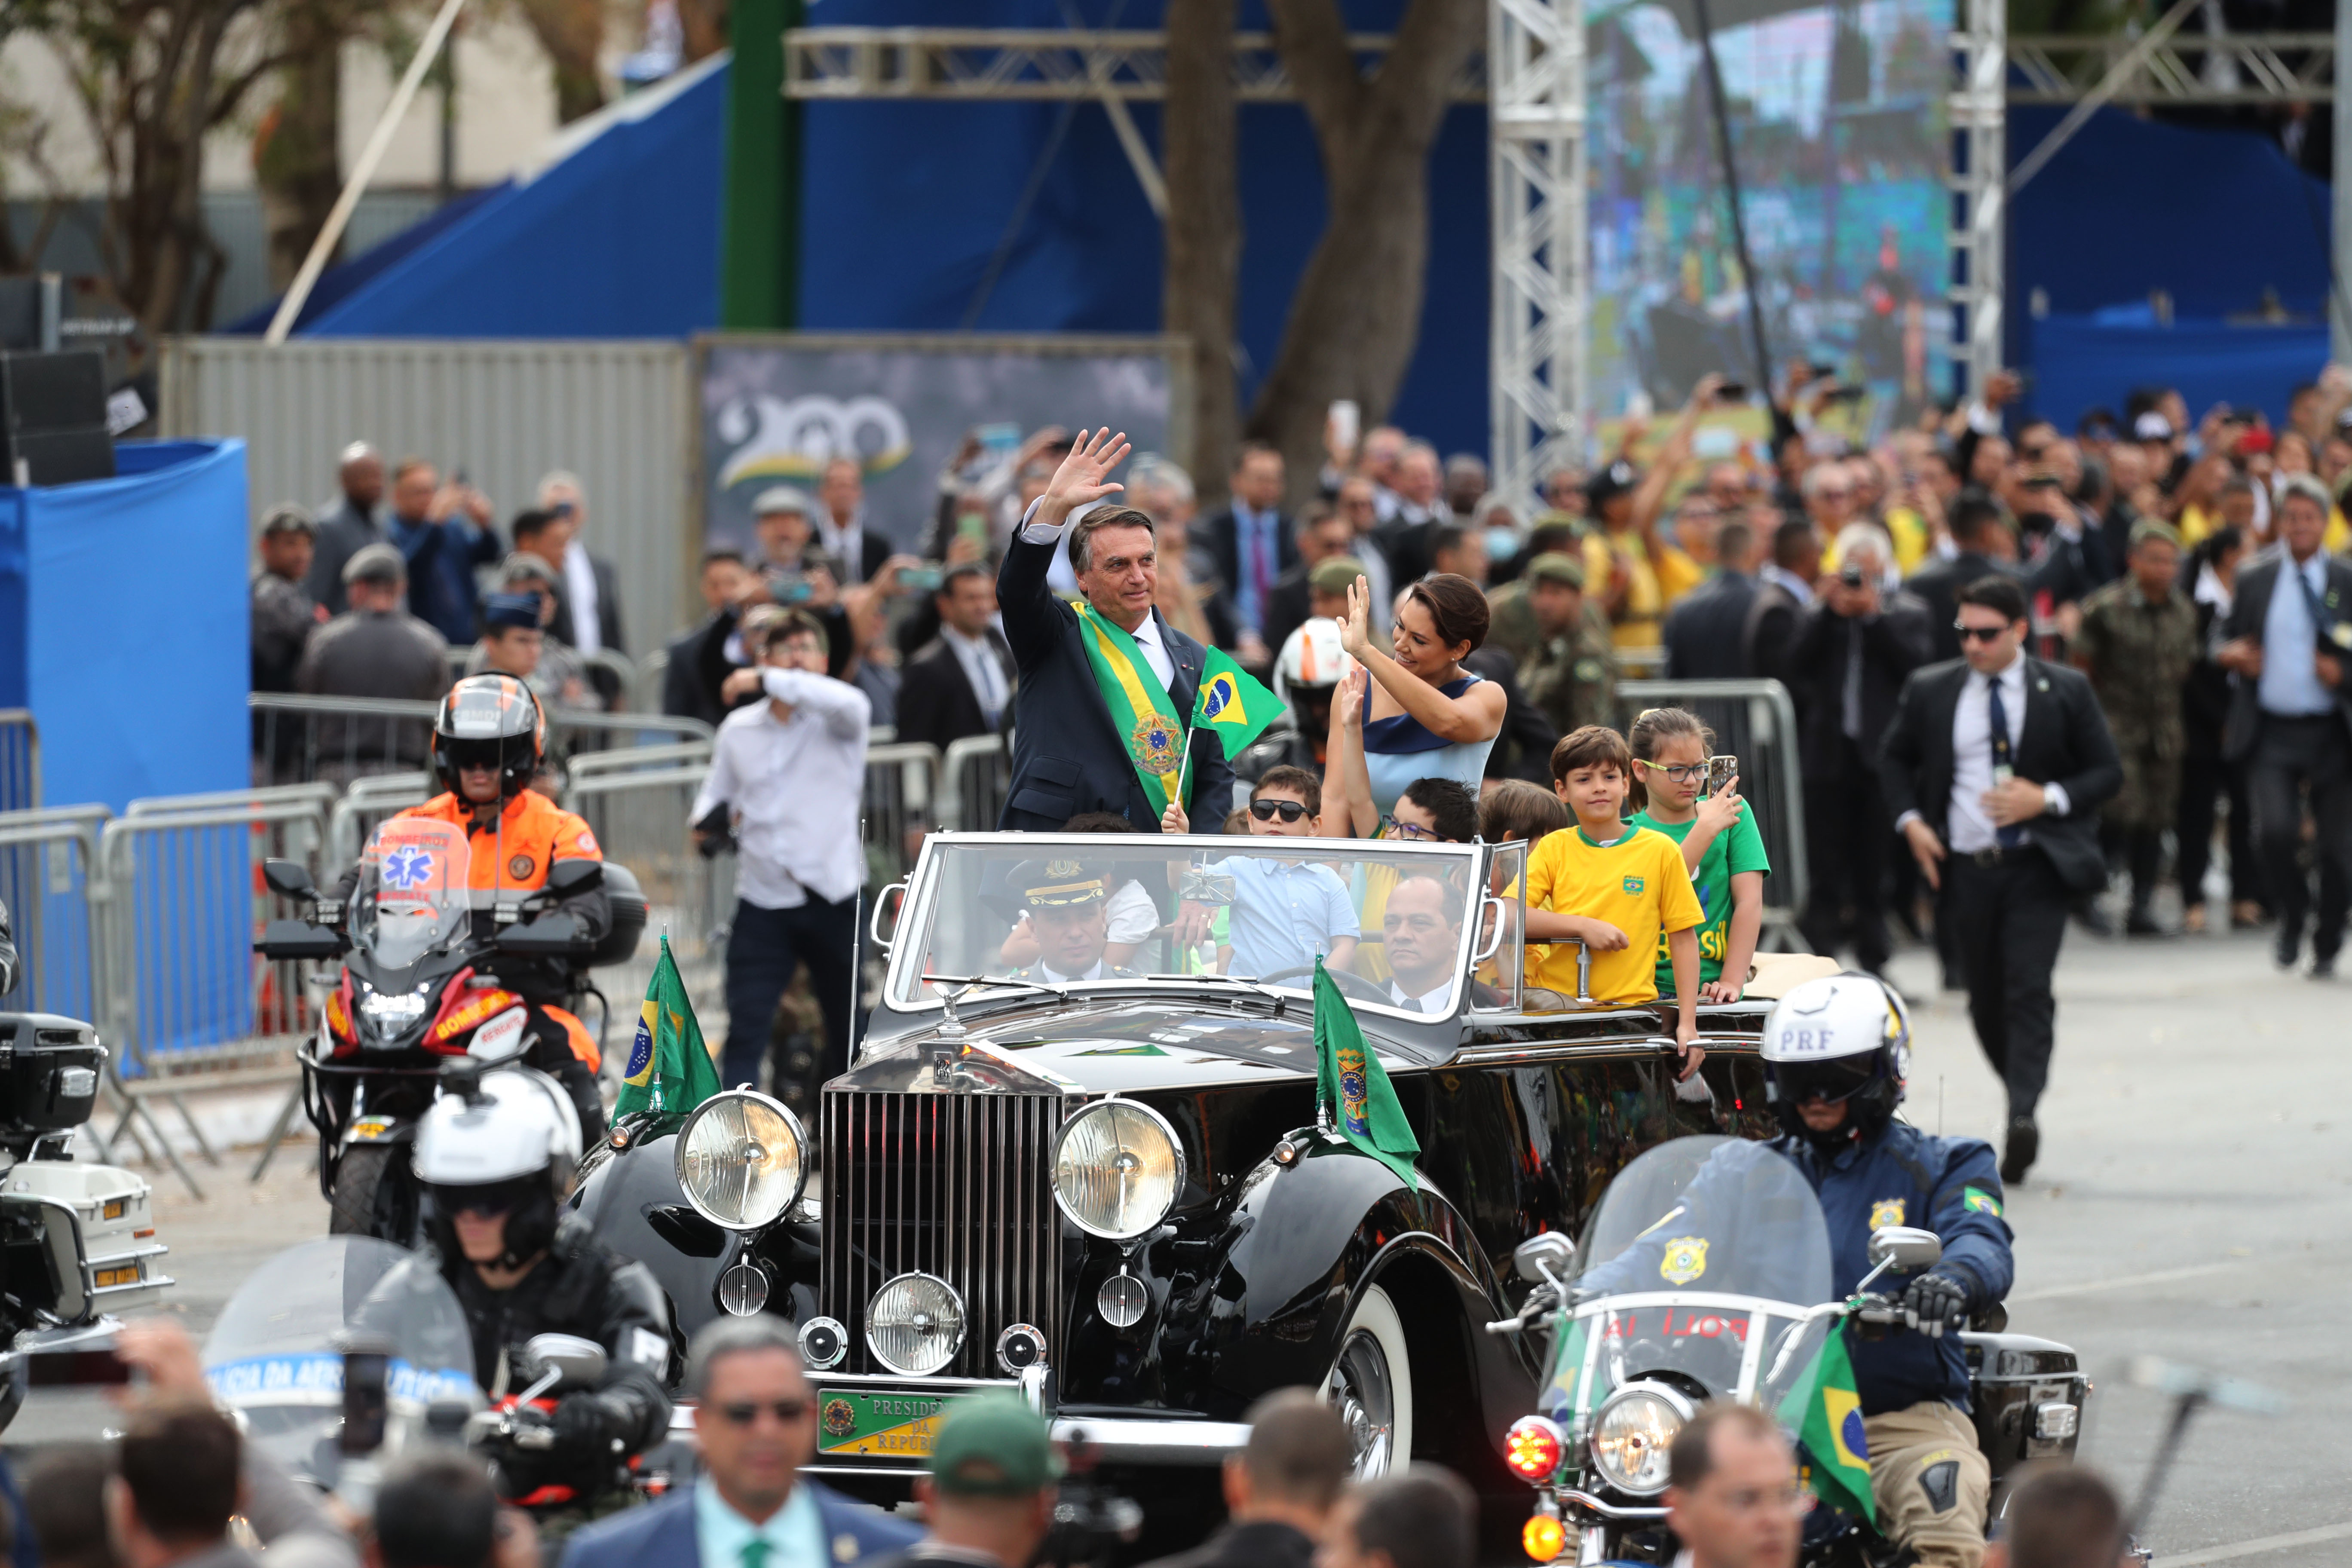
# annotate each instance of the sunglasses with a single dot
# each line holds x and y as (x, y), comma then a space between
(1681, 772)
(1391, 829)
(745, 1412)
(1267, 810)
(1978, 634)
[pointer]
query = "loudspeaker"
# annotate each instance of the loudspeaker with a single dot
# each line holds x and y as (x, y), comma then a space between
(53, 417)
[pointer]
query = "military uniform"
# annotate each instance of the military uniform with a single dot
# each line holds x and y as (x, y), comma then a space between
(1571, 678)
(2138, 655)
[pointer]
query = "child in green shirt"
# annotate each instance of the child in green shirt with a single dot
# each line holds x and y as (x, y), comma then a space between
(1719, 844)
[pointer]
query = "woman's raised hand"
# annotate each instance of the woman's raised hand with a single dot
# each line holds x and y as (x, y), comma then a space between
(1355, 629)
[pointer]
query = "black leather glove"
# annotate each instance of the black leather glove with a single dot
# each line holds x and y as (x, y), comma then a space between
(1935, 1301)
(585, 1424)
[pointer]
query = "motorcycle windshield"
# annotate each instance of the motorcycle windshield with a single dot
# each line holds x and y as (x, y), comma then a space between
(1700, 1265)
(276, 1356)
(413, 895)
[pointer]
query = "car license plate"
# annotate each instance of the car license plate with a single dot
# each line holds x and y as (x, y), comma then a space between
(883, 1425)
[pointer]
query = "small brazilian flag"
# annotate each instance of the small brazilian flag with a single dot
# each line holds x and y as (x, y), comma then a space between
(1235, 707)
(670, 1070)
(1350, 1082)
(1825, 1413)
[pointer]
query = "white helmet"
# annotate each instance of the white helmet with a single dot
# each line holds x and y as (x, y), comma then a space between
(1312, 658)
(1844, 1038)
(519, 1123)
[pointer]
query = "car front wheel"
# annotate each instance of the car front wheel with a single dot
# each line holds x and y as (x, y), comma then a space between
(1370, 1386)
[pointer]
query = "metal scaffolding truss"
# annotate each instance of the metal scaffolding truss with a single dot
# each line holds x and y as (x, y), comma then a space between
(1541, 262)
(1978, 116)
(2187, 69)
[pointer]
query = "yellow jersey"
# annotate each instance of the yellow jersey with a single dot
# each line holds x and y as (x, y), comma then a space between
(1638, 884)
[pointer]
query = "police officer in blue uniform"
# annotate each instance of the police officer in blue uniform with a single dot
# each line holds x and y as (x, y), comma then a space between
(1836, 1051)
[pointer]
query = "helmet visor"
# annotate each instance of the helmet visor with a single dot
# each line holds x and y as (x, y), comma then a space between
(1834, 1080)
(488, 1198)
(490, 754)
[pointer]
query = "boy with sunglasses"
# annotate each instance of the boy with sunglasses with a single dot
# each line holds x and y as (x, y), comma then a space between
(1286, 909)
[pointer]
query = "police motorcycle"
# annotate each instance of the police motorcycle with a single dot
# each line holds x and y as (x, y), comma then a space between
(342, 1353)
(76, 1240)
(1705, 1274)
(420, 988)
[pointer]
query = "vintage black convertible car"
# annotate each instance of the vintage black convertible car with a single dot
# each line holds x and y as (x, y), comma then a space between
(1079, 1155)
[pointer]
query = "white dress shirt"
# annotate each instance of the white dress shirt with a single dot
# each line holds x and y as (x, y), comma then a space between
(1439, 1000)
(1967, 827)
(580, 586)
(1798, 589)
(844, 542)
(2289, 686)
(796, 787)
(1147, 636)
(981, 668)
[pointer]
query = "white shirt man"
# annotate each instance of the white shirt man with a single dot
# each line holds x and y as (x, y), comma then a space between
(1970, 829)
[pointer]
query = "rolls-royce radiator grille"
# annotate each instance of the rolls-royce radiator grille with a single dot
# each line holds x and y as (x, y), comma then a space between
(956, 1185)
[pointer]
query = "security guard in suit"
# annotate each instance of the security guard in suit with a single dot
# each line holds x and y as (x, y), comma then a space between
(1835, 1054)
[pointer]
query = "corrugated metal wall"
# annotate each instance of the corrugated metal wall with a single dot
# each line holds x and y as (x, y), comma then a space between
(617, 413)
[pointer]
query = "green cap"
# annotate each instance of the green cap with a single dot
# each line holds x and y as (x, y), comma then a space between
(2147, 529)
(993, 1445)
(1555, 566)
(1335, 575)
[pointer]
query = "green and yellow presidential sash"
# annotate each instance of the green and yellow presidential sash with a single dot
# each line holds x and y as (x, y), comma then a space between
(1140, 709)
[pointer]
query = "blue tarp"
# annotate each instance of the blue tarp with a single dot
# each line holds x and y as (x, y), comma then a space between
(2082, 363)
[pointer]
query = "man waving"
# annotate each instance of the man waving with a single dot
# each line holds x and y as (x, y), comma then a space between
(1102, 715)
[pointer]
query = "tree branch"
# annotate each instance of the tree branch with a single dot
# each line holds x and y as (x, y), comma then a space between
(1312, 38)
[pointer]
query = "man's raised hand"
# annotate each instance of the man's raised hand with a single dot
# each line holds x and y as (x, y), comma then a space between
(1080, 480)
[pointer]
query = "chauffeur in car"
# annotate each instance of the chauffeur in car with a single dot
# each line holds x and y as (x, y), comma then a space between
(1107, 1188)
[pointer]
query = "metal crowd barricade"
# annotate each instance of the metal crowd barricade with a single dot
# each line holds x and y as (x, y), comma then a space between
(640, 819)
(184, 1002)
(48, 870)
(299, 738)
(20, 761)
(1754, 722)
(975, 777)
(902, 784)
(636, 759)
(365, 805)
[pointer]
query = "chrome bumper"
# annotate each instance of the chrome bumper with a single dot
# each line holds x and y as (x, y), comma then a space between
(1115, 1440)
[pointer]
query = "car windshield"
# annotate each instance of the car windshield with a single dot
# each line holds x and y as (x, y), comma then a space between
(1392, 921)
(1698, 1247)
(413, 890)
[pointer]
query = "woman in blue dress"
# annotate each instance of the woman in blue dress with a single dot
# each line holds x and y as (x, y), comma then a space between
(1412, 712)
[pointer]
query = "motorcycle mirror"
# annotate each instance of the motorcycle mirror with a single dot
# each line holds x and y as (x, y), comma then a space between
(290, 877)
(1905, 1247)
(1543, 1256)
(566, 877)
(575, 1361)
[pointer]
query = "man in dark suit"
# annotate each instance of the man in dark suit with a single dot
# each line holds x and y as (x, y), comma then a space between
(1706, 634)
(1323, 535)
(1857, 646)
(1253, 544)
(960, 683)
(350, 527)
(1995, 767)
(2288, 640)
(1784, 591)
(698, 664)
(1068, 754)
(1987, 549)
(841, 531)
(756, 1421)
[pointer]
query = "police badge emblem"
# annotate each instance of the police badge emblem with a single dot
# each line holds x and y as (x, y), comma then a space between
(1062, 870)
(1885, 1212)
(1685, 1261)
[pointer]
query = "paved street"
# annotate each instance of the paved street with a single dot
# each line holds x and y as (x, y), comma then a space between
(2188, 1207)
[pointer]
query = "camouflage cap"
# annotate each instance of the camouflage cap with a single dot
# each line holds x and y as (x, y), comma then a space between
(1554, 566)
(2146, 529)
(1336, 575)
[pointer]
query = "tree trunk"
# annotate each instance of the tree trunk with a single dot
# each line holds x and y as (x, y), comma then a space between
(572, 34)
(296, 158)
(1356, 315)
(1204, 227)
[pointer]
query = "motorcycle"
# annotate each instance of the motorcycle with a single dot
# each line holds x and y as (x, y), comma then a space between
(76, 1240)
(420, 987)
(1705, 1274)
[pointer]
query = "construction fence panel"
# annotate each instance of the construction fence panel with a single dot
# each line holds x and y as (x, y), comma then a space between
(1754, 722)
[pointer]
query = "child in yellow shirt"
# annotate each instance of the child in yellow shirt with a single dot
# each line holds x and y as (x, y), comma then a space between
(1614, 887)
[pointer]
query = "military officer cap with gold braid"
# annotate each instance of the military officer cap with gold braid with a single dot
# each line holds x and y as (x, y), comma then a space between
(1057, 884)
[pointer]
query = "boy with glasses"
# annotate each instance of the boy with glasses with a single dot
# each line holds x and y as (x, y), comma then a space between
(1286, 911)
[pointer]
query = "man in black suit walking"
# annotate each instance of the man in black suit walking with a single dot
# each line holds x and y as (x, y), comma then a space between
(1068, 755)
(2288, 640)
(960, 684)
(1995, 767)
(1706, 634)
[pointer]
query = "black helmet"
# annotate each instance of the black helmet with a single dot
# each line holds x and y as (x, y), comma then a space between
(1841, 1039)
(489, 721)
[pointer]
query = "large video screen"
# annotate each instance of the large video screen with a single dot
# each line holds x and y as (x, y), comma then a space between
(1841, 133)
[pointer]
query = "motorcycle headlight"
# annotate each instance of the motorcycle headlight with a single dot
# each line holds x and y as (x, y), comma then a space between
(392, 1009)
(1631, 1433)
(914, 1325)
(1117, 1169)
(741, 1159)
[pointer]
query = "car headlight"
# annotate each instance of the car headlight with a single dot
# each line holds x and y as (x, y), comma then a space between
(1117, 1169)
(914, 1325)
(741, 1159)
(1632, 1432)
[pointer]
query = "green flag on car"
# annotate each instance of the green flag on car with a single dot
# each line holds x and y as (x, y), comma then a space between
(670, 1071)
(1825, 1413)
(1351, 1083)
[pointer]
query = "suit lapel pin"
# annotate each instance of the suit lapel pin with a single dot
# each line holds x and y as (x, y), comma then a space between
(2041, 685)
(844, 1548)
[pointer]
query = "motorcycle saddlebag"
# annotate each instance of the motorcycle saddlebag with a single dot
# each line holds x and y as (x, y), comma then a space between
(49, 1069)
(2029, 1396)
(628, 901)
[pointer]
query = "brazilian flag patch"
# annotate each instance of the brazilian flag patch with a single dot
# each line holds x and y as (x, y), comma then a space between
(1979, 1201)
